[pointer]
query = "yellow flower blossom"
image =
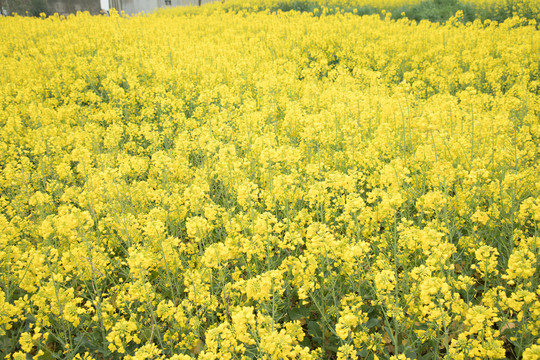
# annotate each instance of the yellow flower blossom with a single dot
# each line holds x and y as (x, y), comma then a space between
(237, 181)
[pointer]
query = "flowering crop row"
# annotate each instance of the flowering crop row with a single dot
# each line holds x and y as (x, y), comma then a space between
(436, 10)
(269, 186)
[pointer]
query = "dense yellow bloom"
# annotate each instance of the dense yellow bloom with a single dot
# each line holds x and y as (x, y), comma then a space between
(521, 266)
(532, 353)
(228, 183)
(122, 334)
(479, 340)
(487, 260)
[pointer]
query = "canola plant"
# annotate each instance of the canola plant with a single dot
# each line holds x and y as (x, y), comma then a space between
(436, 10)
(262, 185)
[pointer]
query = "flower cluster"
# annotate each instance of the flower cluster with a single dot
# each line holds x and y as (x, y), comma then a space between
(269, 185)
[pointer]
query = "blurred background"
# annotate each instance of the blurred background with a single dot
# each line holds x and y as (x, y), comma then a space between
(65, 7)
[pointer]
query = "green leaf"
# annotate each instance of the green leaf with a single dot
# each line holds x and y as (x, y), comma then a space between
(299, 313)
(372, 323)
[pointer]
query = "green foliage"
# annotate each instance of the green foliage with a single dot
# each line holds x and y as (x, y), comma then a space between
(438, 10)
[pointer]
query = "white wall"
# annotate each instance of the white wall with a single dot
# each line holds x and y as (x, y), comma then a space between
(137, 6)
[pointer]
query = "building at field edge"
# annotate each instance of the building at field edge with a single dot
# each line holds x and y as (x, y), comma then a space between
(137, 6)
(62, 7)
(65, 7)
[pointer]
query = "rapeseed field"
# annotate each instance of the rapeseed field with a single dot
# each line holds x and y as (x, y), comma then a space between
(269, 185)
